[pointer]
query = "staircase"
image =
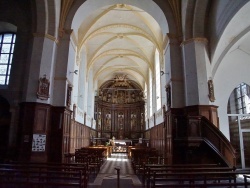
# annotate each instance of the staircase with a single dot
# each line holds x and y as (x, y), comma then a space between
(197, 140)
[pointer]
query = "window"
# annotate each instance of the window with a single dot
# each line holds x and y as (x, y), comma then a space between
(7, 43)
(157, 80)
(145, 97)
(150, 93)
(241, 94)
(239, 102)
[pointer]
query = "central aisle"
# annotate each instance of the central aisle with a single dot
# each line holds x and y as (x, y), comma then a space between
(107, 176)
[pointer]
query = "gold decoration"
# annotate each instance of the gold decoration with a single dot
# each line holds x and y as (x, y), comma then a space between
(43, 88)
(211, 90)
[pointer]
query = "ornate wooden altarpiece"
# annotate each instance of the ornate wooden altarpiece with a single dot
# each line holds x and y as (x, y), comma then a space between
(120, 109)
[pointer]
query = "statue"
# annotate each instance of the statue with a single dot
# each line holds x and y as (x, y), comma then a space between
(133, 121)
(211, 90)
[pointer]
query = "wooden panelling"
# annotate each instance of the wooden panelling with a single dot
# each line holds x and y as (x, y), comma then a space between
(34, 120)
(79, 137)
(208, 111)
(41, 119)
(60, 133)
(157, 138)
(122, 121)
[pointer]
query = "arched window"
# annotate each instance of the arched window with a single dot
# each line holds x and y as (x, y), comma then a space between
(7, 43)
(239, 102)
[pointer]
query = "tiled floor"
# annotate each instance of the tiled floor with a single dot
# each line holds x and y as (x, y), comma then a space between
(107, 177)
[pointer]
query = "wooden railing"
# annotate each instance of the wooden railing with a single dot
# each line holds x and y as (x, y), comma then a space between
(196, 129)
(216, 139)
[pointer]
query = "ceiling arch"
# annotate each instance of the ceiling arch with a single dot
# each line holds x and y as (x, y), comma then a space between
(119, 38)
(236, 36)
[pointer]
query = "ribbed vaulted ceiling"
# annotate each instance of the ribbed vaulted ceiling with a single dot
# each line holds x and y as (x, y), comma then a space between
(119, 39)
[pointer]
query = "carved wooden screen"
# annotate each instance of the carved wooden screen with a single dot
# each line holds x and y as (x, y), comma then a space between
(120, 109)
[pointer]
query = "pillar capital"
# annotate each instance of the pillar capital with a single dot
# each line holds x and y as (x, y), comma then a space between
(173, 39)
(63, 32)
(197, 39)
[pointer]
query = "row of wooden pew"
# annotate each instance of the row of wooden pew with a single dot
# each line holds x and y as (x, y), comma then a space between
(43, 175)
(82, 163)
(93, 156)
(155, 171)
(193, 175)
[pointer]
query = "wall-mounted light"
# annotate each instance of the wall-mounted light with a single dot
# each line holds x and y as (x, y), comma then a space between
(75, 72)
(162, 72)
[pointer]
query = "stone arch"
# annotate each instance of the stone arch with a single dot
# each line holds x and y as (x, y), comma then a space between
(195, 15)
(52, 19)
(46, 18)
(225, 32)
(40, 17)
(170, 17)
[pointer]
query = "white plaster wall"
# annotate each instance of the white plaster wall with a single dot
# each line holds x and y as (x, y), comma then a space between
(79, 115)
(71, 66)
(230, 64)
(235, 29)
(43, 64)
(90, 92)
(200, 52)
(190, 74)
(233, 70)
(159, 117)
(151, 122)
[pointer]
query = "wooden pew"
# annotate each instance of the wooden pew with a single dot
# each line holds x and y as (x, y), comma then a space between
(200, 179)
(150, 168)
(43, 174)
(94, 156)
(140, 156)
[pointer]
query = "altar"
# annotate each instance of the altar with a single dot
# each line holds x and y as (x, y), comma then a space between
(121, 146)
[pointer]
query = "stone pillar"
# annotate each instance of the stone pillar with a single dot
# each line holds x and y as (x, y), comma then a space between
(60, 79)
(196, 71)
(42, 65)
(174, 73)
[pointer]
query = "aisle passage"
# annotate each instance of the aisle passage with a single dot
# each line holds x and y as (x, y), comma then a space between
(107, 177)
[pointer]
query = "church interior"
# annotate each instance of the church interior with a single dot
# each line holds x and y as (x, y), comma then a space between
(91, 83)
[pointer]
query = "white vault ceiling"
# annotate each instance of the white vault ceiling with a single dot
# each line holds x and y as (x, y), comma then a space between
(119, 39)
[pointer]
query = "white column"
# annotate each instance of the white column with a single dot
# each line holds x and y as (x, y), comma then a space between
(174, 72)
(196, 71)
(60, 79)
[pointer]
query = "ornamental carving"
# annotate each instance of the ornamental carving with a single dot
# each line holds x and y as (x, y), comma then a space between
(120, 107)
(121, 90)
(69, 91)
(211, 90)
(43, 88)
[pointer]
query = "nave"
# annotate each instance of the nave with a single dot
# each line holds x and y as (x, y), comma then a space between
(107, 176)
